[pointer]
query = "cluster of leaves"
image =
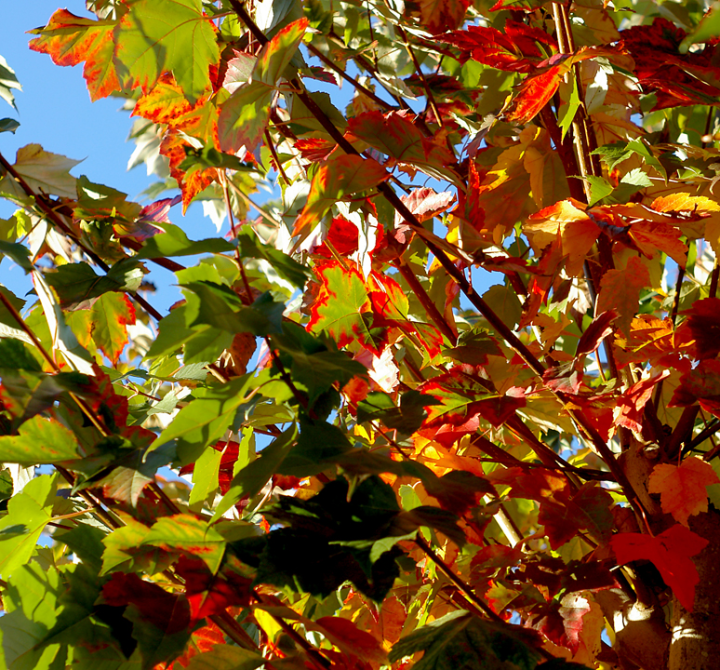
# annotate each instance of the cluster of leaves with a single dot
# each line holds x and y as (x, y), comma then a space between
(337, 450)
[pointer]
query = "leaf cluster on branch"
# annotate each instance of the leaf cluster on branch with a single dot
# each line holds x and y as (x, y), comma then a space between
(449, 400)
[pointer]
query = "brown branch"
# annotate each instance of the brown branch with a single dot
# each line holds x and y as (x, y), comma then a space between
(483, 308)
(276, 158)
(459, 583)
(315, 656)
(51, 215)
(428, 93)
(426, 301)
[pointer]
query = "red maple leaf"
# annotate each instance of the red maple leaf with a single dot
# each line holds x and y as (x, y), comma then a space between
(167, 612)
(670, 553)
(343, 236)
(210, 594)
(633, 401)
(514, 50)
(676, 79)
(701, 385)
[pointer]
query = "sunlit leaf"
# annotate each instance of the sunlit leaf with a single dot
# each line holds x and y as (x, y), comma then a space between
(166, 35)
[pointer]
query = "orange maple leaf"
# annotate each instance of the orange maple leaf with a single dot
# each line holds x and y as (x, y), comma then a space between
(70, 39)
(568, 220)
(620, 290)
(682, 488)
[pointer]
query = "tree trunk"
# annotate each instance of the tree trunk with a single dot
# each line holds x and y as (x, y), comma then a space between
(695, 642)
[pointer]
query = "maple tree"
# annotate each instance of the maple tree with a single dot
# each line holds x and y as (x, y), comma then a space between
(450, 400)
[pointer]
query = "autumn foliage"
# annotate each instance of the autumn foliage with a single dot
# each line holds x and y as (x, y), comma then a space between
(448, 399)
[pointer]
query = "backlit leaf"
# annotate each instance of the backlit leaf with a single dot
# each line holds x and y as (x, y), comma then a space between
(439, 16)
(70, 40)
(342, 308)
(156, 36)
(670, 552)
(336, 178)
(682, 487)
(39, 440)
(112, 313)
(8, 83)
(620, 290)
(43, 171)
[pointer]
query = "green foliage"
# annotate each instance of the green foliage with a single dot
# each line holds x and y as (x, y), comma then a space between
(447, 401)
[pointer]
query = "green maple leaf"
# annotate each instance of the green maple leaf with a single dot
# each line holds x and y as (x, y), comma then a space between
(20, 529)
(185, 532)
(30, 603)
(174, 242)
(204, 420)
(158, 36)
(39, 440)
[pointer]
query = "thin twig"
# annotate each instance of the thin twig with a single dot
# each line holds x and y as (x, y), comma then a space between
(356, 84)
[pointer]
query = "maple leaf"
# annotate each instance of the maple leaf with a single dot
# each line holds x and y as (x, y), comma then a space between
(244, 116)
(703, 322)
(596, 332)
(569, 221)
(342, 235)
(70, 39)
(633, 401)
(161, 620)
(174, 147)
(112, 313)
(670, 552)
(342, 307)
(396, 136)
(620, 290)
(497, 198)
(210, 594)
(39, 440)
(437, 16)
(166, 103)
(157, 36)
(676, 79)
(701, 385)
(654, 340)
(534, 93)
(653, 236)
(515, 49)
(463, 397)
(336, 178)
(43, 171)
(426, 204)
(682, 488)
(540, 85)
